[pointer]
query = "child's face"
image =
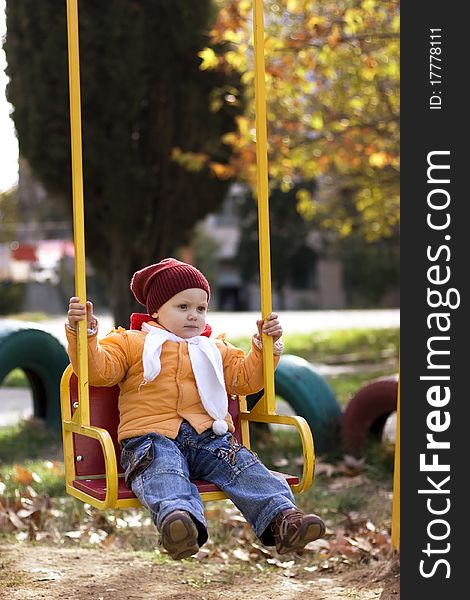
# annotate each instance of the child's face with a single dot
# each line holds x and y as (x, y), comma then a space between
(185, 313)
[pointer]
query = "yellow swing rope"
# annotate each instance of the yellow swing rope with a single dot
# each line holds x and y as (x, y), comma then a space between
(267, 404)
(78, 212)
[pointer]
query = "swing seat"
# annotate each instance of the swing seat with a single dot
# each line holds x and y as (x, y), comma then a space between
(91, 451)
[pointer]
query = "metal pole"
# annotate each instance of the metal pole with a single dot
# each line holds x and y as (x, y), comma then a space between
(396, 481)
(267, 403)
(78, 212)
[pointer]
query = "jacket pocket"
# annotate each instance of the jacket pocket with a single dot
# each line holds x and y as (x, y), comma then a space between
(136, 455)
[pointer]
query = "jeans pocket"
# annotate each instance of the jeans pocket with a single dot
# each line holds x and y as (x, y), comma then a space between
(135, 458)
(237, 457)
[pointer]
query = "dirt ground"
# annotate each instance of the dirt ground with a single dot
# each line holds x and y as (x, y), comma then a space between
(30, 572)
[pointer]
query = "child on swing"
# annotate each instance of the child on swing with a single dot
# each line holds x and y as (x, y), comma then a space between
(174, 422)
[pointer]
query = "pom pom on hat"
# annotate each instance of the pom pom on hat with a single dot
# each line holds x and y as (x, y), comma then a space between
(154, 285)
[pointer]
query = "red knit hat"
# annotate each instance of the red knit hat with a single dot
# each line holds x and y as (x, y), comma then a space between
(154, 285)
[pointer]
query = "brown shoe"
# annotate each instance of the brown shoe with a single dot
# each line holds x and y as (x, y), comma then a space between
(179, 535)
(293, 530)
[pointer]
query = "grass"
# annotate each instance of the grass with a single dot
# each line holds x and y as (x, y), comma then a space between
(28, 457)
(339, 346)
(16, 378)
(44, 476)
(37, 317)
(27, 440)
(345, 346)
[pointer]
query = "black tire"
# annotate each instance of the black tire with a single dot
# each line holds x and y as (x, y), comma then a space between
(42, 358)
(366, 413)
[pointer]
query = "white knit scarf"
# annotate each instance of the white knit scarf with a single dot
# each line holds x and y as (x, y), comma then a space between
(206, 363)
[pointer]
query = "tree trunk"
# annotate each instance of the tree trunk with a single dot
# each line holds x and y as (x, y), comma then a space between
(122, 266)
(121, 301)
(279, 285)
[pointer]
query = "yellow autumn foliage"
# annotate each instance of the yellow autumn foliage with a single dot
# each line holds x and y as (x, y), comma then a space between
(332, 77)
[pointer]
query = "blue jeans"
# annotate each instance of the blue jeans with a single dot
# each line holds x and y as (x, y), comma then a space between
(159, 469)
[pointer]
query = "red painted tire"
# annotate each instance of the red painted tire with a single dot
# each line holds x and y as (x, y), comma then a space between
(366, 413)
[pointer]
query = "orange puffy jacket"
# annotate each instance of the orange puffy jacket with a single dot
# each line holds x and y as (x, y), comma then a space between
(161, 405)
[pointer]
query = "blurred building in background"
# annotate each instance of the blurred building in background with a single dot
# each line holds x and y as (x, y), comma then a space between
(317, 286)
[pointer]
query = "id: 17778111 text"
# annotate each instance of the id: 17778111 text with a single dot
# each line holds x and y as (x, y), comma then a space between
(435, 68)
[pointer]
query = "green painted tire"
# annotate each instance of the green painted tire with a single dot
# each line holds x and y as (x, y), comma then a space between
(310, 397)
(42, 358)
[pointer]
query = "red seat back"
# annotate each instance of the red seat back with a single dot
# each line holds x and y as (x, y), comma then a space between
(104, 413)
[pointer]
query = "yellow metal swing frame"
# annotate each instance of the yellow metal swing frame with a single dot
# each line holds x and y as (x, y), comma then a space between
(77, 418)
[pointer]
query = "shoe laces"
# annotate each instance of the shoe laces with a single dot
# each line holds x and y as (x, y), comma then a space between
(286, 519)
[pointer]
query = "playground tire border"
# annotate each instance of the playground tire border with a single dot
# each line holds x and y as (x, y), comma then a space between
(366, 413)
(310, 397)
(43, 359)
